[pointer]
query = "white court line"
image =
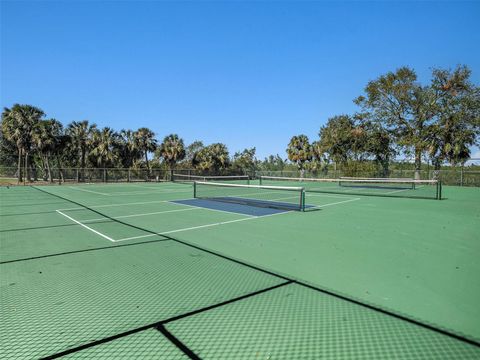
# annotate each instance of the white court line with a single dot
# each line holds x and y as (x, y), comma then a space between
(339, 196)
(85, 226)
(338, 202)
(125, 204)
(202, 226)
(136, 215)
(249, 217)
(204, 208)
(396, 191)
(90, 191)
(130, 193)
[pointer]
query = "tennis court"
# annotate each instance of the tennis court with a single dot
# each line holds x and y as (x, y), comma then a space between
(153, 271)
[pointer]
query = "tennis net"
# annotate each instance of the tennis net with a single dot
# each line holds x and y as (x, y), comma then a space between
(408, 188)
(236, 179)
(277, 197)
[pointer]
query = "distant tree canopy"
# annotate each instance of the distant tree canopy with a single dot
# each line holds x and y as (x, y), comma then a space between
(438, 122)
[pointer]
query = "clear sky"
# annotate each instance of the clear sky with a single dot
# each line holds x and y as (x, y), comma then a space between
(243, 73)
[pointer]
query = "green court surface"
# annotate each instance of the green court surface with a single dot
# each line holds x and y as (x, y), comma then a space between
(119, 271)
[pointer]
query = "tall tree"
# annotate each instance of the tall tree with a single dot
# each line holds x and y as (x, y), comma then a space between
(104, 144)
(172, 150)
(273, 163)
(299, 150)
(192, 151)
(403, 107)
(213, 157)
(81, 136)
(378, 145)
(336, 139)
(46, 137)
(457, 116)
(146, 143)
(129, 150)
(245, 161)
(17, 126)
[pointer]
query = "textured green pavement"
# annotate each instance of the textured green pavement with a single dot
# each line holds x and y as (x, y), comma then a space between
(65, 285)
(147, 345)
(294, 322)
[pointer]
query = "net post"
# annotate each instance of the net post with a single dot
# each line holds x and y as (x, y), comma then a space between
(439, 190)
(302, 199)
(260, 182)
(194, 189)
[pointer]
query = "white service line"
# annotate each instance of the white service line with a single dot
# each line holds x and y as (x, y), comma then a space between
(90, 191)
(136, 215)
(85, 226)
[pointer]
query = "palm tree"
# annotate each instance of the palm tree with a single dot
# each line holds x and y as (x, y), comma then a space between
(213, 157)
(299, 151)
(17, 125)
(146, 143)
(172, 150)
(105, 141)
(46, 138)
(80, 133)
(128, 147)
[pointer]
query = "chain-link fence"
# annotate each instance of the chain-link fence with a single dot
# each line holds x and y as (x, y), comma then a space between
(460, 176)
(457, 176)
(86, 175)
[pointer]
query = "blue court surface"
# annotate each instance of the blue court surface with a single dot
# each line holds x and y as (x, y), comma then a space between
(244, 209)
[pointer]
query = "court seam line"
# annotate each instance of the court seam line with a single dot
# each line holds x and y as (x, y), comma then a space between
(177, 342)
(84, 250)
(160, 323)
(365, 304)
(86, 227)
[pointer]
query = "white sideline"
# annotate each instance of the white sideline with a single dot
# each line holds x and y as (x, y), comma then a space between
(85, 226)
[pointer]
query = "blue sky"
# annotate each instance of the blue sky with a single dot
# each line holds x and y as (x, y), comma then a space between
(243, 73)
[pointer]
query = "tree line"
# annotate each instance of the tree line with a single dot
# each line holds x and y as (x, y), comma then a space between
(397, 115)
(28, 140)
(438, 122)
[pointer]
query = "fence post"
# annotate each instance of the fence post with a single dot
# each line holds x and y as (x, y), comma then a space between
(461, 176)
